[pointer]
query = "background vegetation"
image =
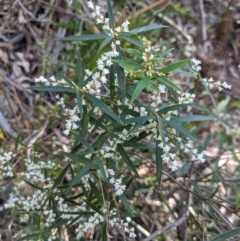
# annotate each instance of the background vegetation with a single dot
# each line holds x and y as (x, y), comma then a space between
(206, 30)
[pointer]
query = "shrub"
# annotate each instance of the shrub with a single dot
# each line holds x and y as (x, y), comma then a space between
(129, 103)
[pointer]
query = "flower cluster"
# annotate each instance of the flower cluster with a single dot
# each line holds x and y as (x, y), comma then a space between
(210, 83)
(52, 81)
(196, 64)
(71, 114)
(100, 19)
(116, 182)
(5, 163)
(186, 98)
(157, 96)
(34, 171)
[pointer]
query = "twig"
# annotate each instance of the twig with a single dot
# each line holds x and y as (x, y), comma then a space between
(169, 226)
(203, 15)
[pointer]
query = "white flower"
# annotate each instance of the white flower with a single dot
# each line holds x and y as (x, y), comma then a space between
(90, 5)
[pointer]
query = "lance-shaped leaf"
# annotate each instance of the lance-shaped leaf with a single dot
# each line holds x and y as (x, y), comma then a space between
(110, 14)
(167, 107)
(182, 130)
(79, 102)
(61, 176)
(95, 191)
(174, 66)
(103, 107)
(161, 129)
(166, 82)
(101, 168)
(137, 119)
(127, 65)
(126, 159)
(159, 162)
(133, 41)
(33, 236)
(184, 169)
(62, 76)
(79, 69)
(89, 37)
(105, 42)
(83, 141)
(189, 118)
(147, 28)
(140, 86)
(125, 203)
(52, 89)
(85, 121)
(197, 189)
(121, 75)
(134, 52)
(83, 171)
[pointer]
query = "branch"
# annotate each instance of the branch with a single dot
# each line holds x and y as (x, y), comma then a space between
(169, 226)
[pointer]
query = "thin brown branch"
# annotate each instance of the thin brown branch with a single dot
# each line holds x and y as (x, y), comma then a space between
(169, 226)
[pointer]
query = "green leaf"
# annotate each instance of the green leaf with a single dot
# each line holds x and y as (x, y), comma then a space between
(147, 28)
(33, 185)
(127, 65)
(167, 107)
(141, 145)
(93, 207)
(57, 224)
(164, 53)
(125, 203)
(166, 82)
(174, 66)
(75, 157)
(134, 52)
(138, 138)
(79, 175)
(211, 96)
(214, 192)
(99, 123)
(85, 121)
(95, 190)
(79, 102)
(126, 159)
(89, 37)
(121, 75)
(101, 168)
(103, 107)
(105, 42)
(61, 176)
(101, 140)
(84, 142)
(159, 162)
(133, 41)
(140, 86)
(29, 237)
(229, 234)
(110, 14)
(183, 131)
(137, 119)
(104, 231)
(188, 118)
(79, 69)
(213, 215)
(17, 142)
(52, 88)
(184, 169)
(205, 144)
(62, 76)
(161, 129)
(197, 189)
